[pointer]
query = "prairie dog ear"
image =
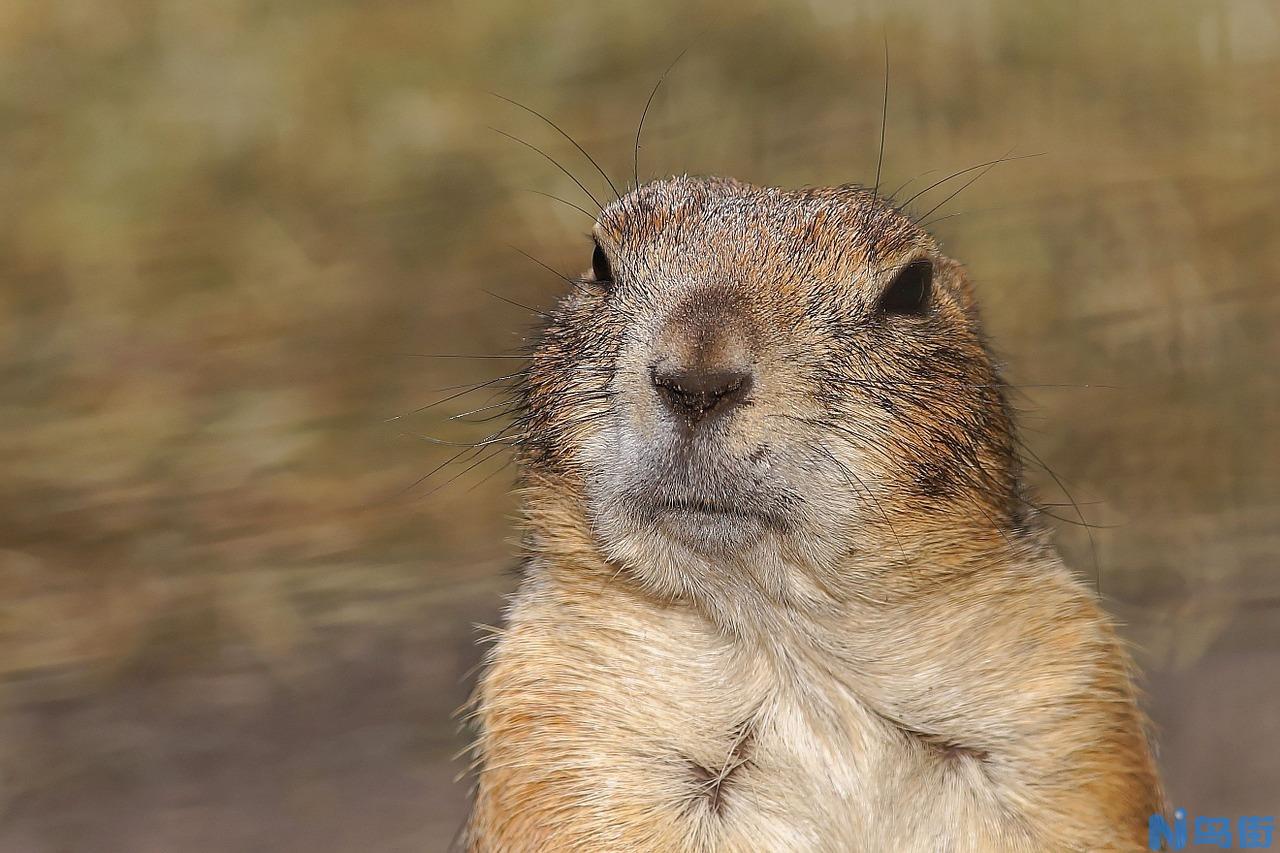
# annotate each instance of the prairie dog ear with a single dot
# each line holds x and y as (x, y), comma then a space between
(956, 280)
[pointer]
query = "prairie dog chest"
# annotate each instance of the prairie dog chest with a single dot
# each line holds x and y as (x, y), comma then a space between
(788, 775)
(829, 774)
(645, 730)
(736, 752)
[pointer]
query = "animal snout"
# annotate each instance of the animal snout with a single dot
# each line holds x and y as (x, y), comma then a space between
(703, 357)
(694, 393)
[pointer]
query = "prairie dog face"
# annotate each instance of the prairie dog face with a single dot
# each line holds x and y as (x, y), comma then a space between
(755, 389)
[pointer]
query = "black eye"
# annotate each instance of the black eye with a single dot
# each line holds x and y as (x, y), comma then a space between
(600, 267)
(908, 293)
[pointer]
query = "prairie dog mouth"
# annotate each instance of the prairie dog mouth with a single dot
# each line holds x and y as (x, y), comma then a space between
(695, 506)
(704, 486)
(762, 509)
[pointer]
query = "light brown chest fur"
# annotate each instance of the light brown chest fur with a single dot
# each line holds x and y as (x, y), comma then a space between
(612, 724)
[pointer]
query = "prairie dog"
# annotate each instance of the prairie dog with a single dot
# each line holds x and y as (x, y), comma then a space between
(783, 589)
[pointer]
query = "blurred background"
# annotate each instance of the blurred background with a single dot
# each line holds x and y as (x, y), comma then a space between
(238, 601)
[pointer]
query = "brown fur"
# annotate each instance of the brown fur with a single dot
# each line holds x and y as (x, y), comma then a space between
(835, 622)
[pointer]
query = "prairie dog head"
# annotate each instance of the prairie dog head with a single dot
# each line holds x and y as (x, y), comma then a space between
(769, 395)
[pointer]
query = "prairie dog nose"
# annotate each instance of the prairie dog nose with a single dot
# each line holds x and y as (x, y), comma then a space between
(703, 359)
(694, 393)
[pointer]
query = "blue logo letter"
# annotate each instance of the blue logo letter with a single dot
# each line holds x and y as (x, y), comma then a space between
(1159, 831)
(1213, 830)
(1255, 832)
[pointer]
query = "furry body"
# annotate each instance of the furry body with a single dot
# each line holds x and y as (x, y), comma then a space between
(822, 617)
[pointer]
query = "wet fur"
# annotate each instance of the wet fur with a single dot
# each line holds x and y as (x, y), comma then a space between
(867, 643)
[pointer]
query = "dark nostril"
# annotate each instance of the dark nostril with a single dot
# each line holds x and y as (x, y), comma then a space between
(693, 394)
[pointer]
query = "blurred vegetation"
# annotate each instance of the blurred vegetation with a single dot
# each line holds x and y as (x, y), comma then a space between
(231, 229)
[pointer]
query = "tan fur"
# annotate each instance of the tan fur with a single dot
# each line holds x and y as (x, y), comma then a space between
(903, 665)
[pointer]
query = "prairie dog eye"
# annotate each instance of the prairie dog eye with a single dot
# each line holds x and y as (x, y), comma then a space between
(600, 267)
(909, 292)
